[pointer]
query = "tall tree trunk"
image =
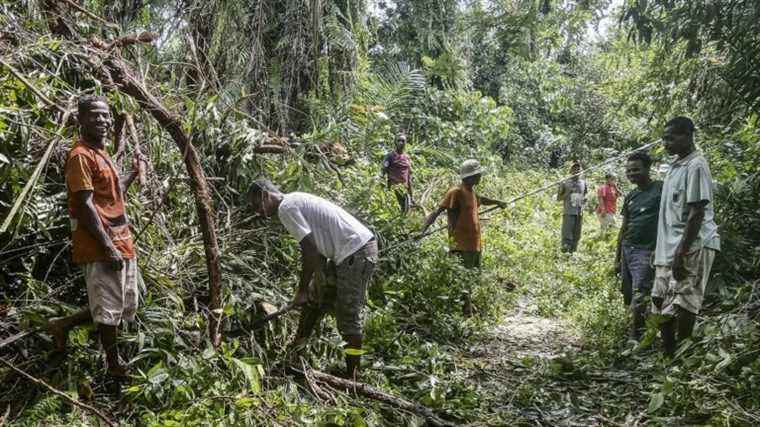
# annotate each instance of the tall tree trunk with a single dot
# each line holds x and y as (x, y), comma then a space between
(123, 77)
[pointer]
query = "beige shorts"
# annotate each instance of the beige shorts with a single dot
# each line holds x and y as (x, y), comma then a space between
(112, 294)
(688, 293)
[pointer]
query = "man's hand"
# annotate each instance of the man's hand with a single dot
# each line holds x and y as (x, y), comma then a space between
(501, 204)
(678, 267)
(115, 260)
(138, 160)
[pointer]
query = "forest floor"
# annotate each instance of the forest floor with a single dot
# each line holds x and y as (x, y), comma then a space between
(526, 367)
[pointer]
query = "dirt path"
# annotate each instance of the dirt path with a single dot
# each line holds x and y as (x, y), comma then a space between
(527, 373)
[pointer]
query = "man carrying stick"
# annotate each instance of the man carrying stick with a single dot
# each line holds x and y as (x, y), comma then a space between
(572, 194)
(461, 204)
(326, 234)
(101, 240)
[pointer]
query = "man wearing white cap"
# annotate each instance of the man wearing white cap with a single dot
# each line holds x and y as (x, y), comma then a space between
(461, 204)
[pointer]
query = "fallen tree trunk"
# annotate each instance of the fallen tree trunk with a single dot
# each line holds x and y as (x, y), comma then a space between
(370, 392)
(124, 79)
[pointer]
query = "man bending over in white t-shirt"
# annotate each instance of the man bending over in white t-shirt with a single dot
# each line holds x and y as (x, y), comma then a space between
(327, 234)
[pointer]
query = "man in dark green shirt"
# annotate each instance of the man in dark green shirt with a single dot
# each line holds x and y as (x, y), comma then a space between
(638, 238)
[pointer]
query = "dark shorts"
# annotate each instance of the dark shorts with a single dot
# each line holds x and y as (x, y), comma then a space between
(469, 259)
(403, 198)
(637, 274)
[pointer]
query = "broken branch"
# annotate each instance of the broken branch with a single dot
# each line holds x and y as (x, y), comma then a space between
(379, 395)
(32, 88)
(65, 396)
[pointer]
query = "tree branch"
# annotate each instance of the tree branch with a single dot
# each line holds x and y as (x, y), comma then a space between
(368, 391)
(65, 396)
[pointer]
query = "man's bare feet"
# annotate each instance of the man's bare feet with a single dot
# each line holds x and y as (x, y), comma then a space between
(59, 333)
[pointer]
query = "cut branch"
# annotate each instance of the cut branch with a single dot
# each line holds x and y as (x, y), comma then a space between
(379, 395)
(65, 396)
(124, 78)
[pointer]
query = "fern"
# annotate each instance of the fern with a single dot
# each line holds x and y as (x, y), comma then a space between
(46, 411)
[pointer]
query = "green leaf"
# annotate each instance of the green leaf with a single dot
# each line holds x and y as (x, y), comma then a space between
(656, 402)
(251, 372)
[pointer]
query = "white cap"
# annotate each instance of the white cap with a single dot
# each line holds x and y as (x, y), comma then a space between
(470, 167)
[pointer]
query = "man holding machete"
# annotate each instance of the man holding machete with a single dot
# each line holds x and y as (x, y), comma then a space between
(326, 234)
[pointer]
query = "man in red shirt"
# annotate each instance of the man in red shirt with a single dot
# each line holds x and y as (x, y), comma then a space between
(398, 166)
(101, 240)
(607, 195)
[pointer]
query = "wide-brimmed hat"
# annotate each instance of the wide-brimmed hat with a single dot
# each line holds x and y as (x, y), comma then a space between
(470, 167)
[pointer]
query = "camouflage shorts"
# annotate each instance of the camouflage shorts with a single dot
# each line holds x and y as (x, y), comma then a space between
(688, 293)
(342, 289)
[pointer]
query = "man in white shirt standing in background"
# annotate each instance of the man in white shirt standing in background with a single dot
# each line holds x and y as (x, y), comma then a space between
(326, 233)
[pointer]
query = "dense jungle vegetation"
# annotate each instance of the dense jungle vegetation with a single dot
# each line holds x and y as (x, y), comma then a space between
(310, 93)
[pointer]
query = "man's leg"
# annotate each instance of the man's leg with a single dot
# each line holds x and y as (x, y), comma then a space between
(684, 324)
(577, 231)
(625, 277)
(661, 305)
(353, 277)
(401, 198)
(667, 330)
(310, 318)
(108, 292)
(472, 264)
(108, 335)
(353, 355)
(59, 328)
(566, 237)
(642, 276)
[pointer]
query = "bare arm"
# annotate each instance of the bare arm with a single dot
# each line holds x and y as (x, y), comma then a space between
(431, 219)
(310, 263)
(488, 201)
(619, 251)
(127, 179)
(409, 185)
(693, 224)
(561, 192)
(88, 218)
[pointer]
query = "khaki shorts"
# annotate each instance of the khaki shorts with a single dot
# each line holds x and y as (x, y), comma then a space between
(112, 295)
(688, 293)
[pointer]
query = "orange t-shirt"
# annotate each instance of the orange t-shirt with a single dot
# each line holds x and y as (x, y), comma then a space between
(465, 234)
(89, 168)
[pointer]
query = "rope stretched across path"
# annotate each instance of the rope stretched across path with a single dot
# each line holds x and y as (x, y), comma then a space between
(415, 239)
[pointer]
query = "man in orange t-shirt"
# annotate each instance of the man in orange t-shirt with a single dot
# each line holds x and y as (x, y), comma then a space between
(101, 240)
(461, 204)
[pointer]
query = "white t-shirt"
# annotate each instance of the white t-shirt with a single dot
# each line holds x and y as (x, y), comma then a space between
(336, 233)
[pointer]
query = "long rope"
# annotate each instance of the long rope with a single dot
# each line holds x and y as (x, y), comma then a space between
(526, 195)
